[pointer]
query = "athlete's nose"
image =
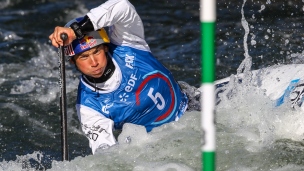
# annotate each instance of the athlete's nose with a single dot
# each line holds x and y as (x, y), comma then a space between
(94, 61)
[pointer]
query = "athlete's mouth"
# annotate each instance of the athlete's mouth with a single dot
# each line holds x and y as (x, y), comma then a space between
(98, 72)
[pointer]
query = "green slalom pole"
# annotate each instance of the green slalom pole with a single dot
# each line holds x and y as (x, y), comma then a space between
(208, 18)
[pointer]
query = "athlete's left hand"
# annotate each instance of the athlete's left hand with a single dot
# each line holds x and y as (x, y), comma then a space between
(56, 39)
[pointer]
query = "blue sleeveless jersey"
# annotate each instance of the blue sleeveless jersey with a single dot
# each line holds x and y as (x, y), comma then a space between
(148, 94)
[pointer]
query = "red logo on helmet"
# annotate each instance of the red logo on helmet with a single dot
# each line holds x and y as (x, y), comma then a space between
(87, 42)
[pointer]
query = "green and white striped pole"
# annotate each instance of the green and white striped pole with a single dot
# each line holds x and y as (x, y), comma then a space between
(208, 18)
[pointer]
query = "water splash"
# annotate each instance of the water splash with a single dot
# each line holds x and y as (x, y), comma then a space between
(173, 146)
(30, 162)
(245, 66)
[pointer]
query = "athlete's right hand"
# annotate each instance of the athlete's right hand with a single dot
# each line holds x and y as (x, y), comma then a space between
(56, 39)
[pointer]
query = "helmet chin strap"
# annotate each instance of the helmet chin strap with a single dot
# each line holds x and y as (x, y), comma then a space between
(108, 72)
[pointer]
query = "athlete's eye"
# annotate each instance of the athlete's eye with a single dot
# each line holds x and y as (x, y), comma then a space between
(83, 56)
(97, 51)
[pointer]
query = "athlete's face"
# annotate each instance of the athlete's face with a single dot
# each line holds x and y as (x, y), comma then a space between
(92, 62)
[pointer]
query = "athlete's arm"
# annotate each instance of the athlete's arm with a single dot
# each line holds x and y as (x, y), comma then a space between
(125, 25)
(97, 128)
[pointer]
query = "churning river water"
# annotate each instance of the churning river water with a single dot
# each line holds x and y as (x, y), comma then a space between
(29, 88)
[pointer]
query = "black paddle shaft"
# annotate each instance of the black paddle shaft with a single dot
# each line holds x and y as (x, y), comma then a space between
(63, 103)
